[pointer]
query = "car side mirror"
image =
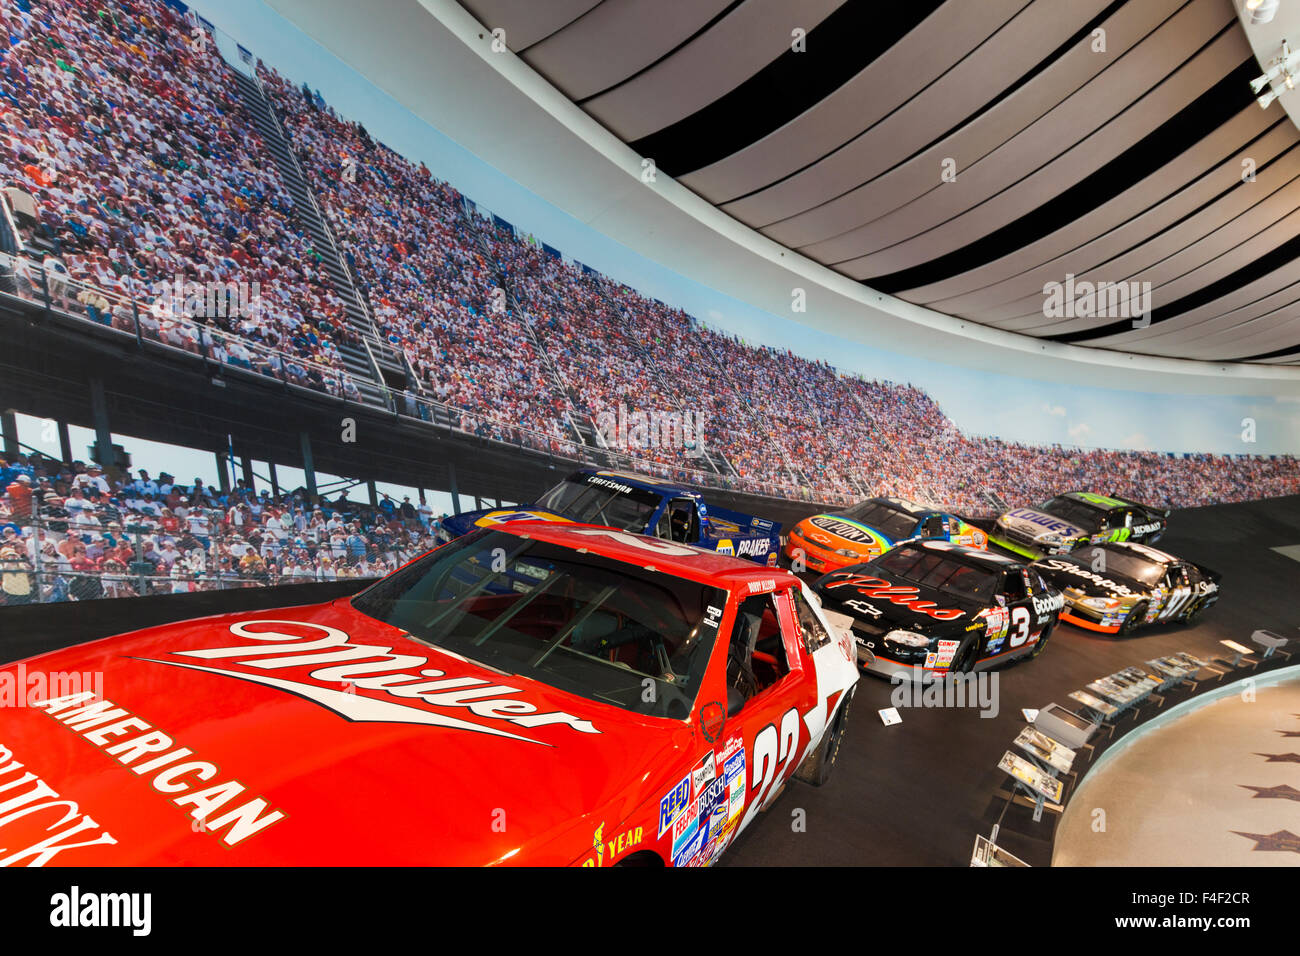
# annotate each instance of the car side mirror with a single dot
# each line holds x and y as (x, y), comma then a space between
(735, 701)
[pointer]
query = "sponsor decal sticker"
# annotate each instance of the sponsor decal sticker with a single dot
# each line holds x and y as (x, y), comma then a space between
(370, 683)
(712, 718)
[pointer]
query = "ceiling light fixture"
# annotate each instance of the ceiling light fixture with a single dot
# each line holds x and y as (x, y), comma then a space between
(1261, 11)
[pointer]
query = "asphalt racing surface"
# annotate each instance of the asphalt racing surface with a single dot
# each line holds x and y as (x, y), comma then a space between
(917, 793)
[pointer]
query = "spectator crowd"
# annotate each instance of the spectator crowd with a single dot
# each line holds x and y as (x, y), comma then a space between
(69, 531)
(126, 150)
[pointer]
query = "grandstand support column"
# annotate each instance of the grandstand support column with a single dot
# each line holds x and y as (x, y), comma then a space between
(9, 425)
(451, 481)
(223, 473)
(309, 469)
(275, 479)
(246, 466)
(374, 493)
(99, 416)
(65, 442)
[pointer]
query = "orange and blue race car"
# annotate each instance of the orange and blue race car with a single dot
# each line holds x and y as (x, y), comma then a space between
(864, 532)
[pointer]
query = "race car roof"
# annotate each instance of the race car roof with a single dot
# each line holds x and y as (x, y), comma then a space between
(988, 560)
(643, 482)
(670, 557)
(1141, 550)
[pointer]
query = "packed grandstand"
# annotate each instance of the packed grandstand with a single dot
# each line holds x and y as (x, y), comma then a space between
(132, 165)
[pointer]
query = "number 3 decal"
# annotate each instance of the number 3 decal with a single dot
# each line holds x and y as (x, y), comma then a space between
(1020, 620)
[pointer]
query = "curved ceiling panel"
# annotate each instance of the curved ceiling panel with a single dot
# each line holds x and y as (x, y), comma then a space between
(739, 45)
(1103, 139)
(616, 40)
(527, 21)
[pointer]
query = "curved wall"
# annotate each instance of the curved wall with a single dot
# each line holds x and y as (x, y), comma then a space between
(507, 139)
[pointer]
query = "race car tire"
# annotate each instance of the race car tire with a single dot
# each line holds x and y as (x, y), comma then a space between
(1192, 613)
(816, 767)
(1132, 620)
(1042, 641)
(966, 656)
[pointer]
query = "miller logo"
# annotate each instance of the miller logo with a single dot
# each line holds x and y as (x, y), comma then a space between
(317, 667)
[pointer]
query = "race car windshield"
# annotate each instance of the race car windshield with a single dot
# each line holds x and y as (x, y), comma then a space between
(588, 499)
(585, 624)
(1117, 561)
(1076, 512)
(892, 522)
(934, 570)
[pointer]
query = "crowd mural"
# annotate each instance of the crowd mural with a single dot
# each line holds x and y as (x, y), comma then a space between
(131, 164)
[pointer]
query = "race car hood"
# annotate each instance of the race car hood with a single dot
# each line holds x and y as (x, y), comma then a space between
(1032, 521)
(1067, 572)
(896, 605)
(249, 722)
(845, 532)
(464, 523)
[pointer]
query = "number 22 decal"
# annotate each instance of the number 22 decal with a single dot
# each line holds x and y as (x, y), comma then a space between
(773, 759)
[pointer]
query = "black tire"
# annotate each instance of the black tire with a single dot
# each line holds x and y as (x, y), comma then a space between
(1042, 641)
(1133, 620)
(966, 656)
(816, 767)
(1192, 613)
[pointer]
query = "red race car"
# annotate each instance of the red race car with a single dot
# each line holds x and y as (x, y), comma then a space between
(539, 694)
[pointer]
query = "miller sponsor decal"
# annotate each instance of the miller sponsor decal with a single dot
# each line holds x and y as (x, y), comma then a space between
(904, 596)
(340, 675)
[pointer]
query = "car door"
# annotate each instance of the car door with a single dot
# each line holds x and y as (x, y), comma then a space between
(1178, 590)
(771, 721)
(1025, 624)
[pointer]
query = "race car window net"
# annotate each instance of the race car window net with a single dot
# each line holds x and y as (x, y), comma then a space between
(596, 504)
(582, 623)
(890, 522)
(934, 570)
(1089, 517)
(1111, 561)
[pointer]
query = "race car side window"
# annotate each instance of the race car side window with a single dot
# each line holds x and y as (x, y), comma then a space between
(685, 523)
(756, 657)
(933, 527)
(810, 628)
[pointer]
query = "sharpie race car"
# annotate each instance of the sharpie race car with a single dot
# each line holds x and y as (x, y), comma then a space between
(1074, 519)
(1118, 587)
(935, 607)
(529, 694)
(870, 528)
(643, 505)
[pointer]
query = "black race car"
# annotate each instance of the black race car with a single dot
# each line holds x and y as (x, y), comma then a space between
(1117, 587)
(1074, 519)
(936, 607)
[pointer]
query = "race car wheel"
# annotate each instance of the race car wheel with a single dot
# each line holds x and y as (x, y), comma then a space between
(964, 658)
(1133, 619)
(1042, 641)
(816, 767)
(1192, 613)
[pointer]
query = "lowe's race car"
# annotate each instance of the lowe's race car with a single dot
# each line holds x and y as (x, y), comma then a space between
(870, 528)
(935, 607)
(628, 502)
(1118, 587)
(1074, 519)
